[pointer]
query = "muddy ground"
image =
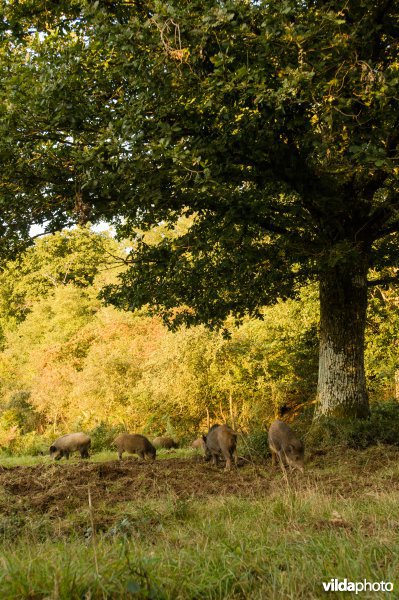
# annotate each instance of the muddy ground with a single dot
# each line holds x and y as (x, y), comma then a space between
(58, 488)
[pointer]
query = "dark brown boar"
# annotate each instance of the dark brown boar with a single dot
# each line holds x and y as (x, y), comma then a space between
(164, 442)
(71, 442)
(134, 443)
(221, 439)
(285, 445)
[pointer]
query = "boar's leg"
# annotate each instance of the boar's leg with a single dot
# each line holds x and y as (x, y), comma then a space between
(281, 457)
(215, 458)
(120, 452)
(228, 463)
(66, 454)
(228, 456)
(274, 458)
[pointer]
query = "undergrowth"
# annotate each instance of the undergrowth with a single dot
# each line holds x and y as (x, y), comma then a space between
(381, 427)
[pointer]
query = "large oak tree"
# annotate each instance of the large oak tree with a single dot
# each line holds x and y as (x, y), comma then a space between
(272, 125)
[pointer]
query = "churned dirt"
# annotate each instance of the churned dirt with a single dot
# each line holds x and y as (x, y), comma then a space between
(60, 487)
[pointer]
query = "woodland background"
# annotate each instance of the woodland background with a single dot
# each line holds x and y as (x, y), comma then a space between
(69, 362)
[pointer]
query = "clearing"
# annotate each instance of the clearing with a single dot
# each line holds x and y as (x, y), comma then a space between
(59, 487)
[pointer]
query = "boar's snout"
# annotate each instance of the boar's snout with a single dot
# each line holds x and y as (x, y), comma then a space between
(295, 457)
(55, 454)
(207, 452)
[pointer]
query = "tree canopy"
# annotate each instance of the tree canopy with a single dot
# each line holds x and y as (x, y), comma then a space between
(272, 125)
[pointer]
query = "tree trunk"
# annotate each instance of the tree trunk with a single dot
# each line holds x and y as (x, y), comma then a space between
(341, 387)
(397, 385)
(232, 419)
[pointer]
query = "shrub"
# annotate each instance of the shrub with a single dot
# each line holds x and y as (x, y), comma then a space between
(103, 436)
(254, 444)
(382, 427)
(31, 444)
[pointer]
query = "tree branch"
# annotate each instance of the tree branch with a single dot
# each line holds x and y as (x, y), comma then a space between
(394, 228)
(383, 281)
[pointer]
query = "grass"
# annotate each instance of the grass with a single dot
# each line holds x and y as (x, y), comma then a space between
(23, 461)
(162, 453)
(226, 548)
(277, 546)
(106, 455)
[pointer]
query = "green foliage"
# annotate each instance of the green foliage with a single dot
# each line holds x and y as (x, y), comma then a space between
(102, 436)
(255, 444)
(267, 158)
(382, 358)
(79, 366)
(30, 444)
(71, 257)
(380, 428)
(73, 364)
(24, 413)
(271, 126)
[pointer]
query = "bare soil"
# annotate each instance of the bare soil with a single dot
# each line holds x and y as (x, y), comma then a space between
(58, 488)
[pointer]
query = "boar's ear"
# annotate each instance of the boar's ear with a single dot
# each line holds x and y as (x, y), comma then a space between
(204, 438)
(53, 449)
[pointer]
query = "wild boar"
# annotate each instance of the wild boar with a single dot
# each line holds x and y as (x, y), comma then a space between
(164, 442)
(71, 442)
(213, 427)
(208, 455)
(134, 443)
(221, 439)
(199, 443)
(284, 444)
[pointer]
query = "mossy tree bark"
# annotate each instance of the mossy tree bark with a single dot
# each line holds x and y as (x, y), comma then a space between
(342, 390)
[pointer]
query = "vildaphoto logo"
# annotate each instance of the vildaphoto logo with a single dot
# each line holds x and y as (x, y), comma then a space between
(344, 585)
